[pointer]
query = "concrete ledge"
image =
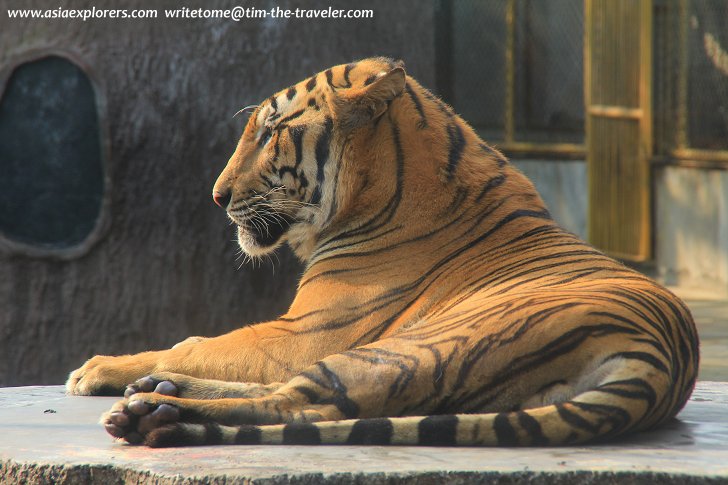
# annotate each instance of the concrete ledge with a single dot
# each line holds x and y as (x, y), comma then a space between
(47, 437)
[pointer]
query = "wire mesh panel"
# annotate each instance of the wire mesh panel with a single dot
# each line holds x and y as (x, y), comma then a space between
(691, 81)
(549, 70)
(618, 129)
(516, 68)
(707, 74)
(479, 34)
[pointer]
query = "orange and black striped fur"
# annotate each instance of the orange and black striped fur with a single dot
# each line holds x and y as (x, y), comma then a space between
(440, 304)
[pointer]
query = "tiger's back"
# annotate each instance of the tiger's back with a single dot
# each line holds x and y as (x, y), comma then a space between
(440, 303)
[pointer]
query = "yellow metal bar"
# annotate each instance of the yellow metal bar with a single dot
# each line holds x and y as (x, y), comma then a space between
(566, 149)
(594, 225)
(645, 136)
(690, 163)
(588, 41)
(615, 112)
(700, 155)
(682, 83)
(510, 105)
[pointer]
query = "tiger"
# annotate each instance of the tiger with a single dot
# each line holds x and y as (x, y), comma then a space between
(440, 303)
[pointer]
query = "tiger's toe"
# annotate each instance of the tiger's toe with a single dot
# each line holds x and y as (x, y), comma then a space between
(154, 383)
(132, 419)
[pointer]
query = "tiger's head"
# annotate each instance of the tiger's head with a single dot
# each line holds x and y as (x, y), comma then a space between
(281, 182)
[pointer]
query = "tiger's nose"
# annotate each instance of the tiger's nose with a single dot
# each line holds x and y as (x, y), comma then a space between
(221, 199)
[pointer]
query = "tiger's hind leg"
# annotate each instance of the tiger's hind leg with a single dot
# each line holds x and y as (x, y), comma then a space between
(179, 385)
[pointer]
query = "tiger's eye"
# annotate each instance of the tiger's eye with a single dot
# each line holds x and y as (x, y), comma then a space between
(265, 137)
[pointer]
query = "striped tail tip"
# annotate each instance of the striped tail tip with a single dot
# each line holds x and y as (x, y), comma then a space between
(186, 434)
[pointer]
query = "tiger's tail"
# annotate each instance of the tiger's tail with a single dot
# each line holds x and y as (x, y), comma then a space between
(609, 410)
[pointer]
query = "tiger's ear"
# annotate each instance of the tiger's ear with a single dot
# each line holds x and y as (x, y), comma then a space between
(358, 106)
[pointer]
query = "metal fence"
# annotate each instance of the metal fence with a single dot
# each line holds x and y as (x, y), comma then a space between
(691, 79)
(515, 69)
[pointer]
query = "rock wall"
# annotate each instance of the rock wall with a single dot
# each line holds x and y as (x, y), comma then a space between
(163, 264)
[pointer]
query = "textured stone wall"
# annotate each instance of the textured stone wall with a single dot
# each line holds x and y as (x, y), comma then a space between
(164, 265)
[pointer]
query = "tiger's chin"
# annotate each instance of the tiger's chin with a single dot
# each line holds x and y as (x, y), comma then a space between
(255, 244)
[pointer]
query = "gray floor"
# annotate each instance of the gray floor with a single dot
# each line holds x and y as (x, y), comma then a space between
(711, 316)
(47, 437)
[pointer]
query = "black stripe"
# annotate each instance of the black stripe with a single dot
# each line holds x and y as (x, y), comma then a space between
(375, 431)
(444, 108)
(405, 363)
(311, 84)
(213, 433)
(370, 80)
(333, 209)
(643, 356)
(496, 181)
(501, 159)
(268, 182)
(312, 103)
(438, 430)
(461, 195)
(457, 144)
(646, 392)
(297, 138)
(418, 106)
(330, 78)
(347, 70)
(619, 418)
(650, 398)
(274, 103)
(276, 149)
(291, 116)
(339, 398)
(533, 428)
(575, 420)
(301, 434)
(504, 430)
(291, 93)
(248, 435)
(171, 435)
(311, 395)
(322, 155)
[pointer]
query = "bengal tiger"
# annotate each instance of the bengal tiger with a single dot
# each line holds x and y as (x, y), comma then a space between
(440, 303)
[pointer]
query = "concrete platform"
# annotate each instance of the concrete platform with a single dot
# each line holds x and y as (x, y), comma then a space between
(47, 437)
(711, 317)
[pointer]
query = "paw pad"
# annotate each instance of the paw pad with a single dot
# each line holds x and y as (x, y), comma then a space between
(134, 419)
(150, 384)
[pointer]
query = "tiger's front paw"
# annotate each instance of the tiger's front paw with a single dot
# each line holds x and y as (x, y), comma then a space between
(132, 420)
(108, 376)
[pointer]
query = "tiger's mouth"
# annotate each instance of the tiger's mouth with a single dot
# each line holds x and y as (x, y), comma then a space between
(262, 234)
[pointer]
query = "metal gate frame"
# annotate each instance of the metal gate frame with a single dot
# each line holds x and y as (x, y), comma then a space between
(618, 101)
